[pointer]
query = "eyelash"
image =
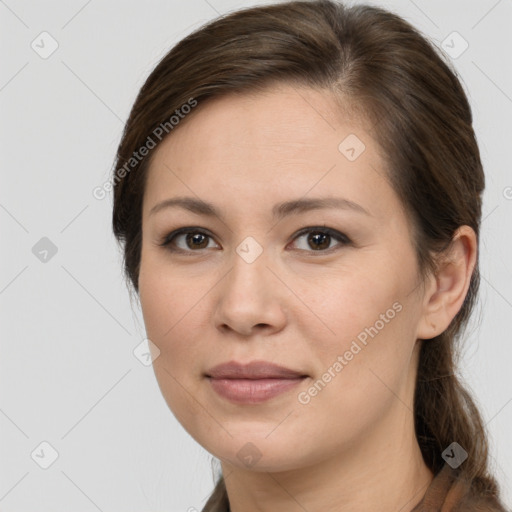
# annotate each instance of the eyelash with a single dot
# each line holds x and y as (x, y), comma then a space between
(338, 236)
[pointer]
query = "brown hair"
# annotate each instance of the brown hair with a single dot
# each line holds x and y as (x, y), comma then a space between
(421, 119)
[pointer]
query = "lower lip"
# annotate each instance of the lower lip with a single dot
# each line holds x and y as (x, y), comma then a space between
(252, 391)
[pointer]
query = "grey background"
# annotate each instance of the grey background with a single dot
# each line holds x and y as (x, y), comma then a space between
(68, 374)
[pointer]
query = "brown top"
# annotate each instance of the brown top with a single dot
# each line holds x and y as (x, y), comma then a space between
(446, 493)
(449, 493)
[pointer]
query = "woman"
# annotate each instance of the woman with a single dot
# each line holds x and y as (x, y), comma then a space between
(298, 193)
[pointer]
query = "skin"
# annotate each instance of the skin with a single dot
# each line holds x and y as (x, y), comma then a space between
(352, 446)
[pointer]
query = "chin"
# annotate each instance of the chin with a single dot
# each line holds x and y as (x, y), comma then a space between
(255, 450)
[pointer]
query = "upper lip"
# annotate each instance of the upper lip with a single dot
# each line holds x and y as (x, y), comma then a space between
(252, 370)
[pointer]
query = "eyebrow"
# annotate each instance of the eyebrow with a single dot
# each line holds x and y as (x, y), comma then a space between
(279, 210)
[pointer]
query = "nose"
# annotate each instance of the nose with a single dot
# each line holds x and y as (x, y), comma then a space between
(250, 299)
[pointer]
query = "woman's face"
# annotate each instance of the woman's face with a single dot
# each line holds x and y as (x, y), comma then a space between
(337, 303)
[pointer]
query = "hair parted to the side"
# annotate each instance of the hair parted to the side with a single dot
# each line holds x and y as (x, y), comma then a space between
(372, 60)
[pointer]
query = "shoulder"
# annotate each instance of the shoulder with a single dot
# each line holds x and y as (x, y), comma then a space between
(475, 502)
(451, 491)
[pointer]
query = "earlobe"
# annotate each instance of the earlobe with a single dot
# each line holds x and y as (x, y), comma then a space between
(448, 288)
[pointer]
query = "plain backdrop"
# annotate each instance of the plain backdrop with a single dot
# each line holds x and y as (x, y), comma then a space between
(73, 396)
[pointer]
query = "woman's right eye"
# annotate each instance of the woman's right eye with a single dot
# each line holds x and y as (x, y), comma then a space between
(186, 240)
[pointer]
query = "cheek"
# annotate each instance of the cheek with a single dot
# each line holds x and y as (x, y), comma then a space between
(167, 307)
(173, 308)
(349, 299)
(158, 305)
(359, 381)
(369, 318)
(166, 298)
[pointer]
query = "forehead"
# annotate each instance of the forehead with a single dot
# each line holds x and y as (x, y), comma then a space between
(278, 144)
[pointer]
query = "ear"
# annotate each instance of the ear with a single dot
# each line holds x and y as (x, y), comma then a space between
(447, 289)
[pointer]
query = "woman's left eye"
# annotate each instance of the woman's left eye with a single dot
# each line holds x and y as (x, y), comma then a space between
(318, 239)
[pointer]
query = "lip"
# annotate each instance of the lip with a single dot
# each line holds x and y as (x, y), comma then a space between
(252, 383)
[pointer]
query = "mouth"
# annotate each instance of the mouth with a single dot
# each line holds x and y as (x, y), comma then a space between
(252, 383)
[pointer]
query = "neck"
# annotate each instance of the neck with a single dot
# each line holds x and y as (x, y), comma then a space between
(384, 470)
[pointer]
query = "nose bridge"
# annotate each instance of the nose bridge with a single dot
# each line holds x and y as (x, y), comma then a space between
(248, 296)
(249, 271)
